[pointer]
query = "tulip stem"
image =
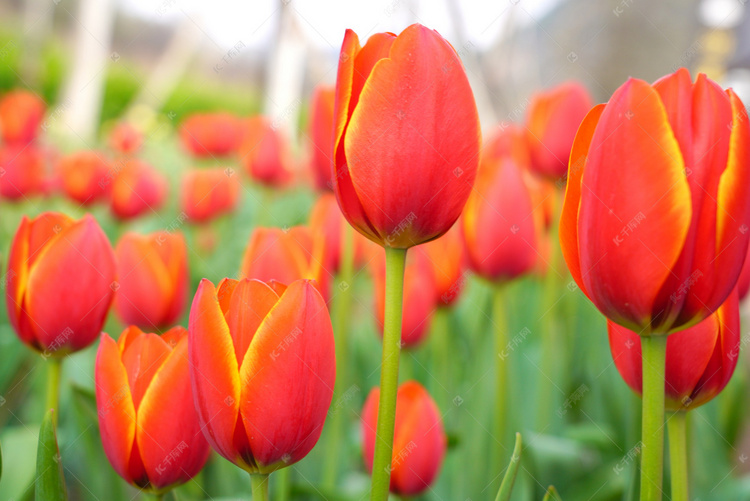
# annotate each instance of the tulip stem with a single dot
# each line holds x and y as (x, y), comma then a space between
(259, 483)
(502, 348)
(654, 350)
(283, 484)
(54, 368)
(678, 455)
(395, 261)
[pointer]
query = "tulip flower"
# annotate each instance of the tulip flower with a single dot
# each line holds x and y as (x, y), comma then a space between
(407, 136)
(446, 258)
(83, 176)
(208, 193)
(61, 276)
(321, 136)
(327, 221)
(125, 138)
(263, 366)
(149, 426)
(419, 442)
(551, 123)
(152, 272)
(23, 172)
(137, 188)
(206, 135)
(21, 113)
(263, 152)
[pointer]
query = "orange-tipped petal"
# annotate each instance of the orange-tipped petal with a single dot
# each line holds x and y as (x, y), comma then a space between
(251, 301)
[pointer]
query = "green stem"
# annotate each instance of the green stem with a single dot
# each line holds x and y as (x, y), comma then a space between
(395, 261)
(502, 348)
(342, 313)
(283, 483)
(654, 351)
(678, 455)
(54, 368)
(553, 354)
(259, 483)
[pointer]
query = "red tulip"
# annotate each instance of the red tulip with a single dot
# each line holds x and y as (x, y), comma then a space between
(148, 423)
(137, 188)
(657, 237)
(407, 136)
(23, 172)
(208, 193)
(21, 113)
(61, 276)
(700, 359)
(551, 124)
(152, 272)
(446, 258)
(263, 367)
(84, 176)
(327, 221)
(125, 138)
(210, 134)
(419, 440)
(504, 218)
(263, 152)
(743, 282)
(321, 135)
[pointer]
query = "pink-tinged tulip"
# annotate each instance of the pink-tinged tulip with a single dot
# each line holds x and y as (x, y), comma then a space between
(264, 153)
(61, 279)
(263, 367)
(407, 136)
(321, 136)
(419, 441)
(209, 193)
(700, 359)
(148, 422)
(137, 189)
(23, 172)
(446, 258)
(551, 124)
(84, 176)
(21, 113)
(653, 226)
(125, 138)
(206, 135)
(152, 271)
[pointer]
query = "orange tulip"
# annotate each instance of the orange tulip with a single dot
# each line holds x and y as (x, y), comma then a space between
(23, 172)
(84, 176)
(206, 135)
(327, 221)
(263, 152)
(125, 138)
(61, 279)
(407, 136)
(419, 440)
(700, 359)
(137, 188)
(263, 367)
(551, 124)
(208, 193)
(321, 135)
(446, 259)
(148, 423)
(21, 113)
(152, 272)
(654, 223)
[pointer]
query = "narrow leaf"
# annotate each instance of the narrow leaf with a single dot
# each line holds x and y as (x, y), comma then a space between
(510, 473)
(50, 483)
(551, 494)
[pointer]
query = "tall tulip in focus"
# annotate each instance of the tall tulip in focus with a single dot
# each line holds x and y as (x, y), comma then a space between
(149, 426)
(419, 440)
(406, 148)
(657, 238)
(152, 273)
(262, 364)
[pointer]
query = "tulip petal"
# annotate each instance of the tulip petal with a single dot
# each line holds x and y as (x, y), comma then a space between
(636, 217)
(142, 358)
(251, 302)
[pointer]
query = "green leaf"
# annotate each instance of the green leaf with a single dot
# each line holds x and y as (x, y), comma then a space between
(551, 494)
(1, 462)
(510, 473)
(50, 483)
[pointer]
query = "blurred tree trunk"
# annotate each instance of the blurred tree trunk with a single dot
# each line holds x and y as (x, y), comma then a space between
(37, 27)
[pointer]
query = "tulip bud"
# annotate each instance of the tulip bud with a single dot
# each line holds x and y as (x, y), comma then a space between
(263, 152)
(208, 193)
(321, 136)
(125, 138)
(21, 113)
(446, 257)
(23, 172)
(206, 135)
(83, 176)
(326, 220)
(137, 189)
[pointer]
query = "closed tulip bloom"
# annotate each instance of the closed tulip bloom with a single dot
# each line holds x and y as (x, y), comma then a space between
(23, 172)
(148, 423)
(407, 137)
(206, 135)
(61, 275)
(446, 258)
(743, 282)
(419, 440)
(327, 221)
(152, 272)
(551, 123)
(137, 189)
(21, 113)
(84, 176)
(504, 218)
(700, 359)
(125, 138)
(321, 136)
(655, 212)
(263, 152)
(263, 367)
(208, 193)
